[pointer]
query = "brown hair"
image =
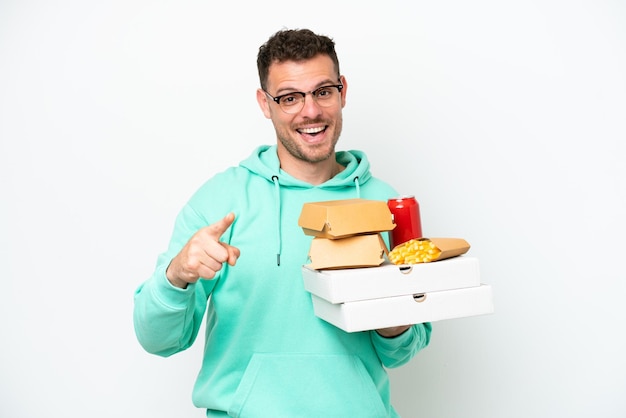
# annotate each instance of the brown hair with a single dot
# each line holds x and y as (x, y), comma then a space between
(293, 45)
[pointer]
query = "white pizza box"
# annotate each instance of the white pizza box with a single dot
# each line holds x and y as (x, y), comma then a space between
(386, 280)
(407, 309)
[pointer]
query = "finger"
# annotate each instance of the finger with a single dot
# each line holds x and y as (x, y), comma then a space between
(233, 253)
(217, 229)
(209, 269)
(214, 262)
(210, 260)
(215, 253)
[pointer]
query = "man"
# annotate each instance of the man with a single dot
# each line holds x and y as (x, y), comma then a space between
(236, 253)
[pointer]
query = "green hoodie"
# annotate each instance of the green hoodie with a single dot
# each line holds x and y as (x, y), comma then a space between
(266, 353)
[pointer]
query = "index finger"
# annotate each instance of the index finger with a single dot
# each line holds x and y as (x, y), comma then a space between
(217, 229)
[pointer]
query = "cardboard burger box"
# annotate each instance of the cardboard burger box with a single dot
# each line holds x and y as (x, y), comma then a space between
(347, 233)
(335, 219)
(365, 250)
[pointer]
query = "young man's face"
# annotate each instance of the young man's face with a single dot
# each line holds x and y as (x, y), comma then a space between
(311, 133)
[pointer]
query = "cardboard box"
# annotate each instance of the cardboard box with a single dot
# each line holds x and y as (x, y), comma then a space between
(356, 251)
(347, 285)
(336, 219)
(450, 247)
(405, 310)
(415, 250)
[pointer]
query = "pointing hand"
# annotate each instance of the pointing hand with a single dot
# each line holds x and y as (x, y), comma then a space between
(203, 255)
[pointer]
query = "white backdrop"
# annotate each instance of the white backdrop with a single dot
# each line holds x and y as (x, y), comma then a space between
(503, 118)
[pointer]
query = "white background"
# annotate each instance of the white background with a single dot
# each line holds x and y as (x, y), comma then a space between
(505, 119)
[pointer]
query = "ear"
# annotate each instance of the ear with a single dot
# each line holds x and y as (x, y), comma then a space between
(261, 98)
(344, 90)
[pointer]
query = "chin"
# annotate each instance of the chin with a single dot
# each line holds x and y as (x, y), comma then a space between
(318, 155)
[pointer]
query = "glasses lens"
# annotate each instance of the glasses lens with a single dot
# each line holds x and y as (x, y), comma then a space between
(325, 96)
(292, 103)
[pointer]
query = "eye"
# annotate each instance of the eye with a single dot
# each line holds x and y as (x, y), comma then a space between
(289, 99)
(324, 92)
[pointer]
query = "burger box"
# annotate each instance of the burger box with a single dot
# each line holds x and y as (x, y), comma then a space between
(354, 284)
(365, 250)
(336, 219)
(407, 309)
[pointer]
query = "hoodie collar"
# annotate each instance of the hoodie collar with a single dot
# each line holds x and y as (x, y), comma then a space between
(264, 162)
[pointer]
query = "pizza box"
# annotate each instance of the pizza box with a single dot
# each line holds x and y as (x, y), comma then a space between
(386, 280)
(407, 309)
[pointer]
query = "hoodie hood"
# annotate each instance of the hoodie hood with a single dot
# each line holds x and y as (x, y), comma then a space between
(264, 162)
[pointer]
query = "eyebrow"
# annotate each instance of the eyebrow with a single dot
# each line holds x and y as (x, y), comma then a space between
(287, 90)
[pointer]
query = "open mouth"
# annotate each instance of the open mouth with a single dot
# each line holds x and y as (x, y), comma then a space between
(312, 131)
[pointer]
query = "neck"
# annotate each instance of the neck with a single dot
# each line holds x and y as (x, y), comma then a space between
(312, 173)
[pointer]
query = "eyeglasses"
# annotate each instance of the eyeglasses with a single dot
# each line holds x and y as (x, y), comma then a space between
(293, 102)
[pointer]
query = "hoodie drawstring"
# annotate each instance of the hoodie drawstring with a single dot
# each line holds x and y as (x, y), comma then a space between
(278, 209)
(278, 203)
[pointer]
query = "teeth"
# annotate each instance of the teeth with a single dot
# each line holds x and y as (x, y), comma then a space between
(311, 130)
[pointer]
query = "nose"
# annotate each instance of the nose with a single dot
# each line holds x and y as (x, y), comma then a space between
(310, 108)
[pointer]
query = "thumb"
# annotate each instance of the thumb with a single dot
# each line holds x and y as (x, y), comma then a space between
(217, 229)
(233, 253)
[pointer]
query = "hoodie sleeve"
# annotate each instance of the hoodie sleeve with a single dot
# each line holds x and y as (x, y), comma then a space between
(167, 319)
(394, 352)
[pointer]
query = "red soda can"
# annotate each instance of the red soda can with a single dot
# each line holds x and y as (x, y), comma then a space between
(406, 216)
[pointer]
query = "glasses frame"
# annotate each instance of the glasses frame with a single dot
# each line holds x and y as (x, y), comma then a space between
(276, 99)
